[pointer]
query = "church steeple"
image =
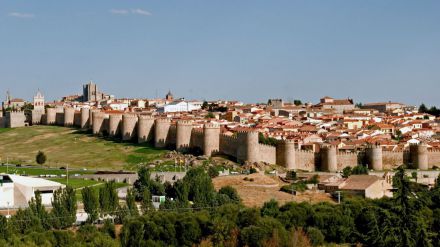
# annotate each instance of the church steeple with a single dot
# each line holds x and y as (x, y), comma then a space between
(169, 96)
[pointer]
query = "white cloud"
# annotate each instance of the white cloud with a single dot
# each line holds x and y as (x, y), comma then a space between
(21, 15)
(140, 12)
(130, 11)
(119, 11)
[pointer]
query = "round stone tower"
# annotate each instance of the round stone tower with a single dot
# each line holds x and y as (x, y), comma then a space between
(329, 160)
(375, 157)
(69, 116)
(91, 114)
(97, 122)
(183, 134)
(211, 139)
(161, 129)
(248, 146)
(114, 124)
(84, 118)
(51, 116)
(145, 128)
(286, 154)
(129, 122)
(419, 156)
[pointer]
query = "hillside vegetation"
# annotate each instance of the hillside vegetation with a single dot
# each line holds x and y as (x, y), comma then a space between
(65, 146)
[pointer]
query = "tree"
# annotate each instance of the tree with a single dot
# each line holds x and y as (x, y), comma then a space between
(231, 192)
(40, 158)
(108, 198)
(270, 208)
(91, 203)
(346, 172)
(213, 172)
(146, 203)
(200, 188)
(315, 236)
(64, 206)
(297, 102)
(205, 105)
(4, 229)
(359, 170)
(132, 233)
(131, 203)
(109, 228)
(404, 207)
(423, 108)
(210, 115)
(37, 209)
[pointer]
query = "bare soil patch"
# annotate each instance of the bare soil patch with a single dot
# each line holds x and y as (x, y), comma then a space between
(264, 188)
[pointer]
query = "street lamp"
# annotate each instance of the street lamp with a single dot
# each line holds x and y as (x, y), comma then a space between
(339, 196)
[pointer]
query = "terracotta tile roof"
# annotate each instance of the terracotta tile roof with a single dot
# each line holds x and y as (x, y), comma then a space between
(359, 182)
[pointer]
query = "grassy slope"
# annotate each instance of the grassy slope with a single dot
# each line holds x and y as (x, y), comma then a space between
(68, 146)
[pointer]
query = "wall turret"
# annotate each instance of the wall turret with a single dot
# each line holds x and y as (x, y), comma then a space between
(375, 157)
(37, 116)
(14, 119)
(211, 139)
(84, 118)
(161, 129)
(115, 122)
(51, 115)
(286, 154)
(145, 128)
(419, 156)
(129, 122)
(329, 159)
(98, 122)
(69, 117)
(183, 134)
(248, 149)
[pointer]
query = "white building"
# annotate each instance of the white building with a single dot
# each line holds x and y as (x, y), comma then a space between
(39, 102)
(118, 106)
(17, 191)
(179, 106)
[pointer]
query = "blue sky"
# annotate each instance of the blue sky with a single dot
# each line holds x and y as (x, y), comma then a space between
(248, 50)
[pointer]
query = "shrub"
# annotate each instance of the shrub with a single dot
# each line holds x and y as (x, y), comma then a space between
(315, 236)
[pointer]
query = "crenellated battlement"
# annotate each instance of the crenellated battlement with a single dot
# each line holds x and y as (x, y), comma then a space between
(232, 138)
(339, 153)
(211, 126)
(244, 132)
(185, 122)
(14, 113)
(162, 120)
(130, 115)
(146, 117)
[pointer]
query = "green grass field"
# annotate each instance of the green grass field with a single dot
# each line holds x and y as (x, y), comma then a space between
(65, 146)
(38, 171)
(78, 184)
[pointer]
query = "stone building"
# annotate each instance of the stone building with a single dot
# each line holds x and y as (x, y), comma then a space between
(91, 93)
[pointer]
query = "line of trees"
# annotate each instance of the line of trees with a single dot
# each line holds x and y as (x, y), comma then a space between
(198, 215)
(410, 218)
(432, 110)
